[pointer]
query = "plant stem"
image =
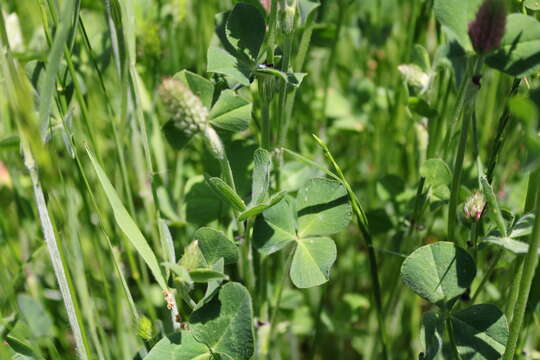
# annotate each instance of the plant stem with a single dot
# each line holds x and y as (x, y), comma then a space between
(467, 107)
(364, 229)
(529, 266)
(58, 261)
(277, 301)
(450, 330)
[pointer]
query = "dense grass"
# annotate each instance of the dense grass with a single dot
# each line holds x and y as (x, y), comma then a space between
(100, 205)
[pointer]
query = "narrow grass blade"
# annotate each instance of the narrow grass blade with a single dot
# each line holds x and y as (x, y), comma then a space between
(47, 88)
(127, 224)
(59, 266)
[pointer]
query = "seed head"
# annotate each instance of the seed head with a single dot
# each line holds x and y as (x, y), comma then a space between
(474, 206)
(488, 27)
(184, 108)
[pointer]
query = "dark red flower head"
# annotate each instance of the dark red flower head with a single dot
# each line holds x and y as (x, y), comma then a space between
(487, 29)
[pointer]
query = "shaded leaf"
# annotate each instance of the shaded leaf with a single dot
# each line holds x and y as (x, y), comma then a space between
(520, 47)
(323, 208)
(215, 245)
(225, 323)
(221, 62)
(275, 228)
(231, 112)
(201, 87)
(438, 272)
(433, 330)
(245, 29)
(481, 332)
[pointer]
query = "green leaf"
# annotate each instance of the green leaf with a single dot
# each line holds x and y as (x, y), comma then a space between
(455, 16)
(182, 274)
(215, 245)
(262, 165)
(515, 246)
(481, 332)
(436, 172)
(254, 210)
(312, 261)
(47, 88)
(227, 193)
(275, 228)
(24, 352)
(127, 225)
(519, 55)
(523, 227)
(203, 205)
(438, 272)
(225, 323)
(323, 208)
(10, 142)
(179, 346)
(201, 87)
(433, 330)
(245, 29)
(221, 62)
(231, 112)
(292, 79)
(176, 137)
(532, 4)
(421, 107)
(202, 275)
(35, 315)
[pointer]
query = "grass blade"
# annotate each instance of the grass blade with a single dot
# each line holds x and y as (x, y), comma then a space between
(47, 88)
(127, 224)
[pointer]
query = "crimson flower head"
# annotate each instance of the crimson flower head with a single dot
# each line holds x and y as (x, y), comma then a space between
(487, 29)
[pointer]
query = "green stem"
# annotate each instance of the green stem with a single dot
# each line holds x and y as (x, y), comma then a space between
(279, 293)
(515, 279)
(529, 266)
(450, 330)
(468, 110)
(364, 229)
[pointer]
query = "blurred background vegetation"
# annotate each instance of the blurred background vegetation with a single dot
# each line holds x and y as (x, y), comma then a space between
(354, 96)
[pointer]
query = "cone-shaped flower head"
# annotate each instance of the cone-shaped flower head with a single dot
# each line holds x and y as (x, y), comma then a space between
(185, 109)
(487, 29)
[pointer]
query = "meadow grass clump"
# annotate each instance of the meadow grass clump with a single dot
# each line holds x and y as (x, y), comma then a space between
(281, 179)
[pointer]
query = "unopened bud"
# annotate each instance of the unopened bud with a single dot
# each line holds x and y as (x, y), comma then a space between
(184, 108)
(474, 206)
(215, 146)
(287, 19)
(144, 328)
(488, 27)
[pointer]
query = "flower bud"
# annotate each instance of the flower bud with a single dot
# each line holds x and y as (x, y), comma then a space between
(488, 27)
(144, 328)
(287, 19)
(184, 108)
(474, 206)
(214, 144)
